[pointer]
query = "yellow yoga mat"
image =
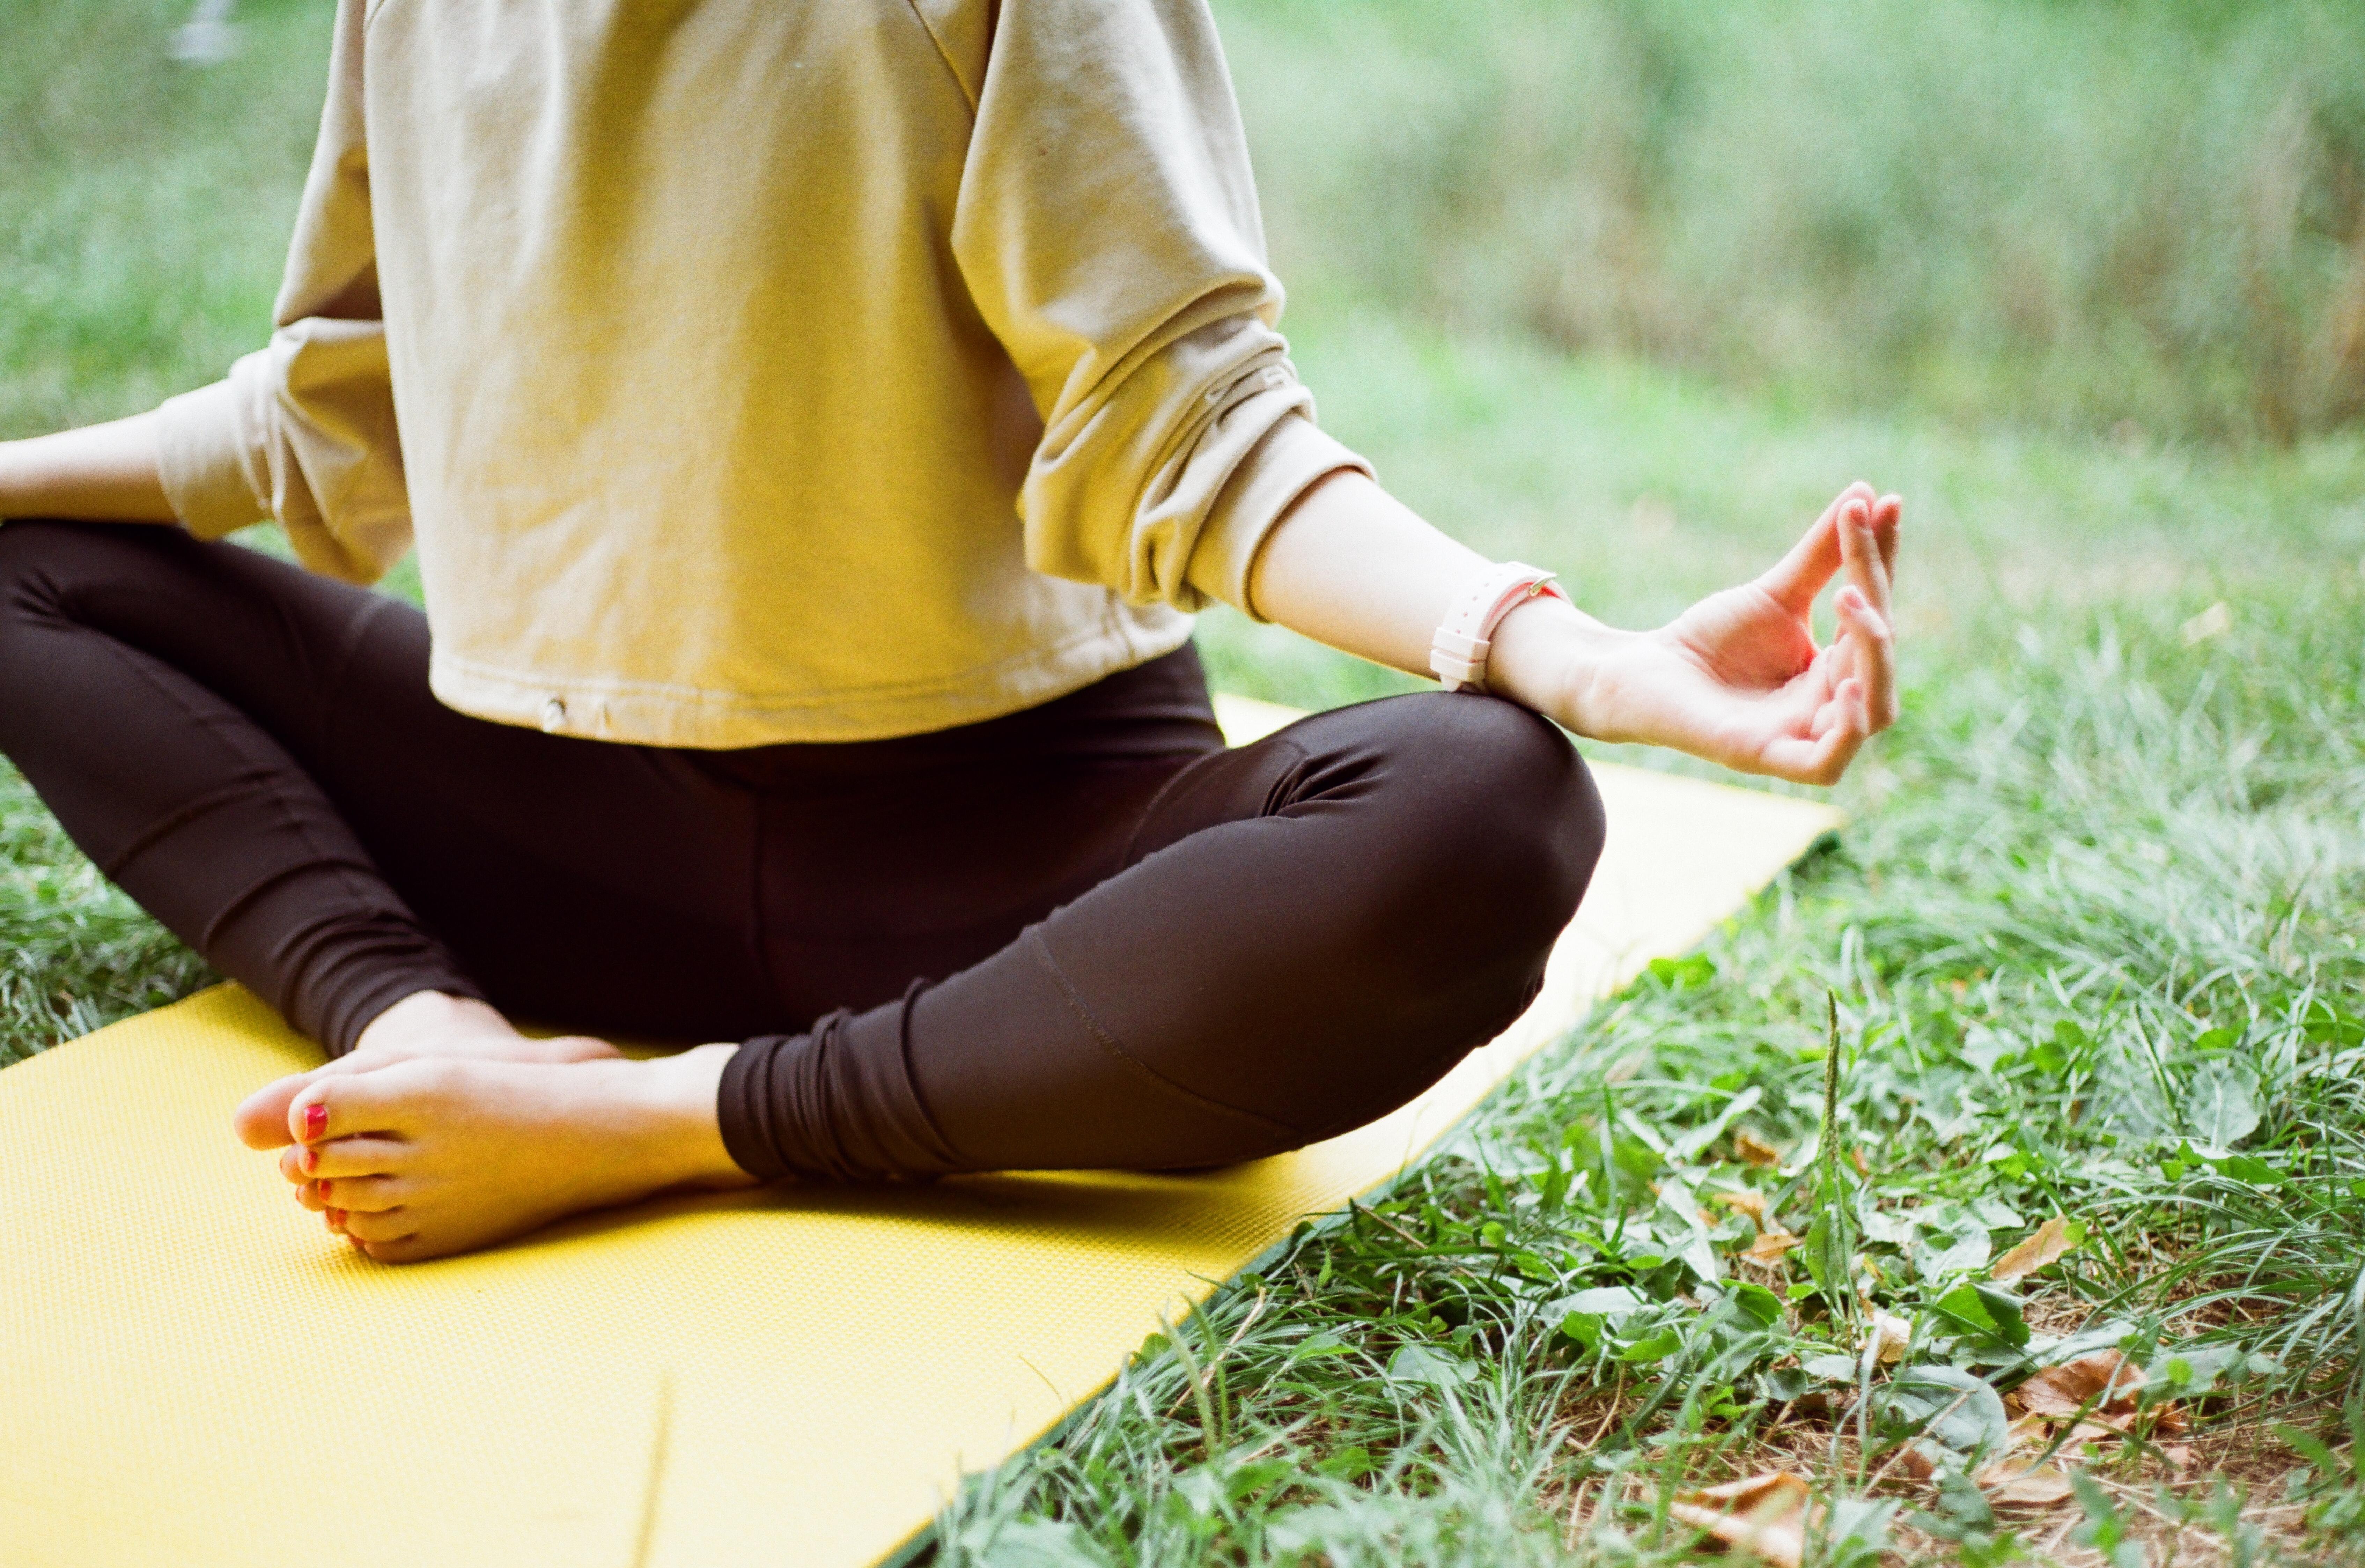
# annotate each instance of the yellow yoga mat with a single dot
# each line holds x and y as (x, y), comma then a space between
(192, 1373)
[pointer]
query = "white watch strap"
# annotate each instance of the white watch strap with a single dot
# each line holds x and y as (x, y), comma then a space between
(1458, 652)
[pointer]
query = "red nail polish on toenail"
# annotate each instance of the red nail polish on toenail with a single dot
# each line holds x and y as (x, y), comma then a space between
(316, 1119)
(323, 1184)
(311, 1161)
(336, 1217)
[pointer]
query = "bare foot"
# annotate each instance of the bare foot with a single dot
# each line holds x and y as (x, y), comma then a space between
(424, 1024)
(442, 1154)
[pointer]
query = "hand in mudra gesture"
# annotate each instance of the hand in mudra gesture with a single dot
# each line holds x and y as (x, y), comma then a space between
(1738, 678)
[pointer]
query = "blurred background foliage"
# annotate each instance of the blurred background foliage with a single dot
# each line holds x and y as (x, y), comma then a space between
(2141, 216)
(2078, 212)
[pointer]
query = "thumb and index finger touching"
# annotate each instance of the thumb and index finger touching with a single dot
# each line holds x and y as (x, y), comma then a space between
(1818, 556)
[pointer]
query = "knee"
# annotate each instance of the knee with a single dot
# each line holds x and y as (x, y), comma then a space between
(31, 551)
(1500, 815)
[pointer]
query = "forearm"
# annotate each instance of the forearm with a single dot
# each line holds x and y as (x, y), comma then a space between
(103, 473)
(1738, 678)
(1353, 567)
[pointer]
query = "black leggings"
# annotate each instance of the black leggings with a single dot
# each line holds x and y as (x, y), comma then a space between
(1083, 936)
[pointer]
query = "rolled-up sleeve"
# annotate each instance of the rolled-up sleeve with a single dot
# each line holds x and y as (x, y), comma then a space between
(1108, 231)
(303, 431)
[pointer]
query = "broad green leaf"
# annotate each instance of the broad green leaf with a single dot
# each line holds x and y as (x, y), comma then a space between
(2005, 1308)
(2251, 1168)
(1426, 1365)
(1657, 1348)
(1758, 1302)
(2221, 1105)
(1945, 1403)
(1603, 1301)
(1585, 1327)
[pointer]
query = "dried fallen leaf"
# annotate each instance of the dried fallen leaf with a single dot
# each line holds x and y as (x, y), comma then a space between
(2089, 1431)
(1916, 1461)
(2179, 1457)
(2022, 1483)
(1769, 1246)
(2113, 1385)
(2104, 1378)
(2025, 1430)
(1755, 1150)
(1891, 1335)
(2046, 1247)
(1748, 1203)
(1763, 1514)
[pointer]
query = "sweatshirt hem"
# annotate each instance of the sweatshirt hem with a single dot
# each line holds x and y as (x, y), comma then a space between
(701, 719)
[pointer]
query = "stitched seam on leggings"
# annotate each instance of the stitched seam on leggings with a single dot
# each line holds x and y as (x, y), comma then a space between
(349, 643)
(203, 723)
(146, 838)
(233, 907)
(1041, 953)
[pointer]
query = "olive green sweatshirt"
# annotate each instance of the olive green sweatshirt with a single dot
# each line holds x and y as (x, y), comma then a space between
(749, 371)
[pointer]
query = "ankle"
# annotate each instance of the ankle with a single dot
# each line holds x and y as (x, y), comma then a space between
(675, 1099)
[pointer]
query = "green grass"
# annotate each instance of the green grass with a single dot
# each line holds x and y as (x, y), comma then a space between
(2093, 940)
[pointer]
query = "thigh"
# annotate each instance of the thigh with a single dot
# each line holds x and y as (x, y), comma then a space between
(1305, 933)
(917, 876)
(603, 886)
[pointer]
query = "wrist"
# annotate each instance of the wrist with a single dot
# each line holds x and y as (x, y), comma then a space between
(1551, 656)
(15, 482)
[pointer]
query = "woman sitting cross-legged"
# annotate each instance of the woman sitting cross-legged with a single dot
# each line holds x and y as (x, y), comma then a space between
(815, 422)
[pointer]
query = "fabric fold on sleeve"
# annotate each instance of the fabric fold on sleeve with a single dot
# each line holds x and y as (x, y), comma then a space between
(303, 432)
(201, 460)
(1292, 455)
(1109, 232)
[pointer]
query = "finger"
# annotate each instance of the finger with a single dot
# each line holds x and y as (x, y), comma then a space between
(343, 1156)
(390, 1224)
(362, 1194)
(1873, 649)
(1860, 558)
(1823, 757)
(1798, 576)
(1888, 516)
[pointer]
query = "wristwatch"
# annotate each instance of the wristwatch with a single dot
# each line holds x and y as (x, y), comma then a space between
(1458, 652)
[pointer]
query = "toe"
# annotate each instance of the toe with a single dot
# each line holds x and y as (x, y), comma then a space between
(407, 1250)
(380, 1226)
(261, 1119)
(362, 1194)
(357, 1156)
(339, 1105)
